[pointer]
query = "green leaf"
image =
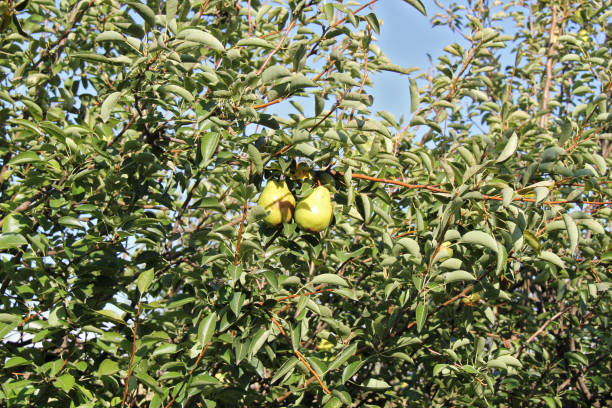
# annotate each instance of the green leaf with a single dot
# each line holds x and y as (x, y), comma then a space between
(579, 357)
(255, 157)
(25, 157)
(97, 58)
(236, 303)
(171, 7)
(165, 349)
(177, 90)
(285, 369)
(274, 72)
(350, 370)
(111, 315)
(421, 316)
(12, 240)
(149, 381)
(550, 402)
(457, 276)
(374, 384)
(201, 37)
(108, 105)
(144, 11)
(144, 281)
(509, 149)
(532, 241)
(502, 258)
(510, 360)
(208, 146)
(259, 340)
(16, 361)
(108, 367)
(541, 193)
(593, 225)
(343, 357)
(254, 42)
(507, 195)
(497, 363)
(110, 36)
(417, 4)
(480, 238)
(439, 367)
(333, 402)
(64, 382)
(68, 221)
(330, 279)
(206, 328)
(414, 96)
(553, 258)
(490, 314)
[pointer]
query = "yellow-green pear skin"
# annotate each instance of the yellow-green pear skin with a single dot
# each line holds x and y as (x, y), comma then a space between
(278, 201)
(314, 213)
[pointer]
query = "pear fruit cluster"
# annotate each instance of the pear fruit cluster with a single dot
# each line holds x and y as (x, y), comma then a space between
(312, 214)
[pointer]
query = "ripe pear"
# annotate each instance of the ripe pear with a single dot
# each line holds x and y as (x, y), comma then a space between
(314, 213)
(278, 201)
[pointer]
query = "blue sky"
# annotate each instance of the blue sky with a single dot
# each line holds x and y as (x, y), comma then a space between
(406, 37)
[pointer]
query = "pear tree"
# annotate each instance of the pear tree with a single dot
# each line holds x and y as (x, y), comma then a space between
(152, 253)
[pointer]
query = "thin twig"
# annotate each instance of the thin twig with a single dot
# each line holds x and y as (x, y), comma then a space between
(240, 230)
(134, 335)
(549, 66)
(245, 207)
(332, 110)
(299, 355)
(190, 374)
(485, 197)
(278, 47)
(125, 128)
(546, 323)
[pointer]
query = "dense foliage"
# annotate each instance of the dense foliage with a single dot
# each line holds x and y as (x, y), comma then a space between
(468, 262)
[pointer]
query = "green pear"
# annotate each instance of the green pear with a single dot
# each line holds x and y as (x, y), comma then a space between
(278, 201)
(314, 213)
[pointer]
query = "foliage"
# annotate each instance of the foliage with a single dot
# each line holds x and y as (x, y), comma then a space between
(468, 263)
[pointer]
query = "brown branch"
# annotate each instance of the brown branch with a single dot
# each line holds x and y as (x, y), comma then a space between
(240, 230)
(304, 294)
(278, 47)
(549, 66)
(190, 374)
(288, 393)
(460, 295)
(579, 373)
(265, 105)
(354, 12)
(390, 181)
(26, 204)
(28, 318)
(242, 221)
(187, 200)
(74, 17)
(486, 197)
(576, 142)
(299, 355)
(134, 335)
(125, 128)
(332, 110)
(546, 323)
(202, 9)
(403, 234)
